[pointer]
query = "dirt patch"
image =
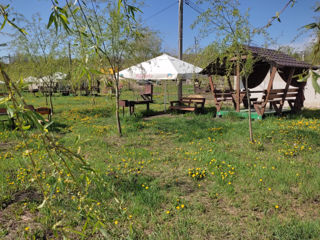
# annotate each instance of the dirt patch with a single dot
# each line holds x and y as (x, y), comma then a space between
(29, 195)
(186, 187)
(16, 221)
(5, 146)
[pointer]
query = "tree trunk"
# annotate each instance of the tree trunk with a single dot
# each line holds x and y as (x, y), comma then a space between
(50, 95)
(117, 106)
(249, 108)
(51, 103)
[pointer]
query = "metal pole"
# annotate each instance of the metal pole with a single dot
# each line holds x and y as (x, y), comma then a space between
(180, 46)
(165, 95)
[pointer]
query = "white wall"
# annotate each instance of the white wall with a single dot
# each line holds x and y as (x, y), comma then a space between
(312, 99)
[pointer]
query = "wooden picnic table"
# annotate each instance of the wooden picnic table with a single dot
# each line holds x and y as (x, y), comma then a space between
(190, 103)
(131, 103)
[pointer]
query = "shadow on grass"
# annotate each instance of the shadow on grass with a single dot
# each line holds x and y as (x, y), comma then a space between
(58, 127)
(305, 113)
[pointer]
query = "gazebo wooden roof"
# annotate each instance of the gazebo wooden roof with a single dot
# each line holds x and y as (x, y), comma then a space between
(265, 60)
(264, 56)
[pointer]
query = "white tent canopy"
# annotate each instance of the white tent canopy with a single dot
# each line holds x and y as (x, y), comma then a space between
(163, 67)
(56, 77)
(1, 83)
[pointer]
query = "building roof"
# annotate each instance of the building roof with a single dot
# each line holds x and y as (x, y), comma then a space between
(264, 56)
(277, 57)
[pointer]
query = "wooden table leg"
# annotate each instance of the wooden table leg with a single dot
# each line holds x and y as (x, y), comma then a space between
(131, 109)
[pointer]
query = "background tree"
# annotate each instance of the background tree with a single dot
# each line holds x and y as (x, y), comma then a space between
(40, 54)
(233, 32)
(108, 32)
(315, 26)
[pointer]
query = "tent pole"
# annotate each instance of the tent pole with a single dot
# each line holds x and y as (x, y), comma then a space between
(165, 95)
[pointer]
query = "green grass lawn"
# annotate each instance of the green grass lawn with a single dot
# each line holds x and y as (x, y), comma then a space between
(174, 176)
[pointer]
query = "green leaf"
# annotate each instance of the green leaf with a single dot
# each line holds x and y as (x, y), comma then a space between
(10, 111)
(311, 26)
(42, 204)
(51, 19)
(315, 83)
(27, 127)
(75, 10)
(48, 125)
(74, 231)
(64, 18)
(304, 79)
(3, 24)
(62, 11)
(119, 5)
(95, 71)
(4, 100)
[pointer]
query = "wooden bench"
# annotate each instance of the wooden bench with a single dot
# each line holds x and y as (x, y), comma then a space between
(44, 111)
(226, 96)
(222, 96)
(188, 104)
(277, 98)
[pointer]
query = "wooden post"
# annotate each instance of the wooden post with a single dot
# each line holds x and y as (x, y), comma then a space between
(165, 96)
(272, 76)
(180, 46)
(238, 89)
(212, 89)
(286, 88)
(218, 104)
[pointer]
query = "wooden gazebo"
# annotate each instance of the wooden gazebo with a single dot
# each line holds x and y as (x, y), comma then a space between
(265, 60)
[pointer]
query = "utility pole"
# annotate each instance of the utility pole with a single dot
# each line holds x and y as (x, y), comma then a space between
(180, 46)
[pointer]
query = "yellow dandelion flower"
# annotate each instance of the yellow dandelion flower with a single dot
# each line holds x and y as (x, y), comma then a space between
(276, 206)
(182, 205)
(168, 212)
(116, 222)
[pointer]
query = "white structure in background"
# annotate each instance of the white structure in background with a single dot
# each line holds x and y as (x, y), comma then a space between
(312, 99)
(1, 83)
(163, 67)
(35, 83)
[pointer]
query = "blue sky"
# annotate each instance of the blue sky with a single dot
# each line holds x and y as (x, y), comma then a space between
(162, 16)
